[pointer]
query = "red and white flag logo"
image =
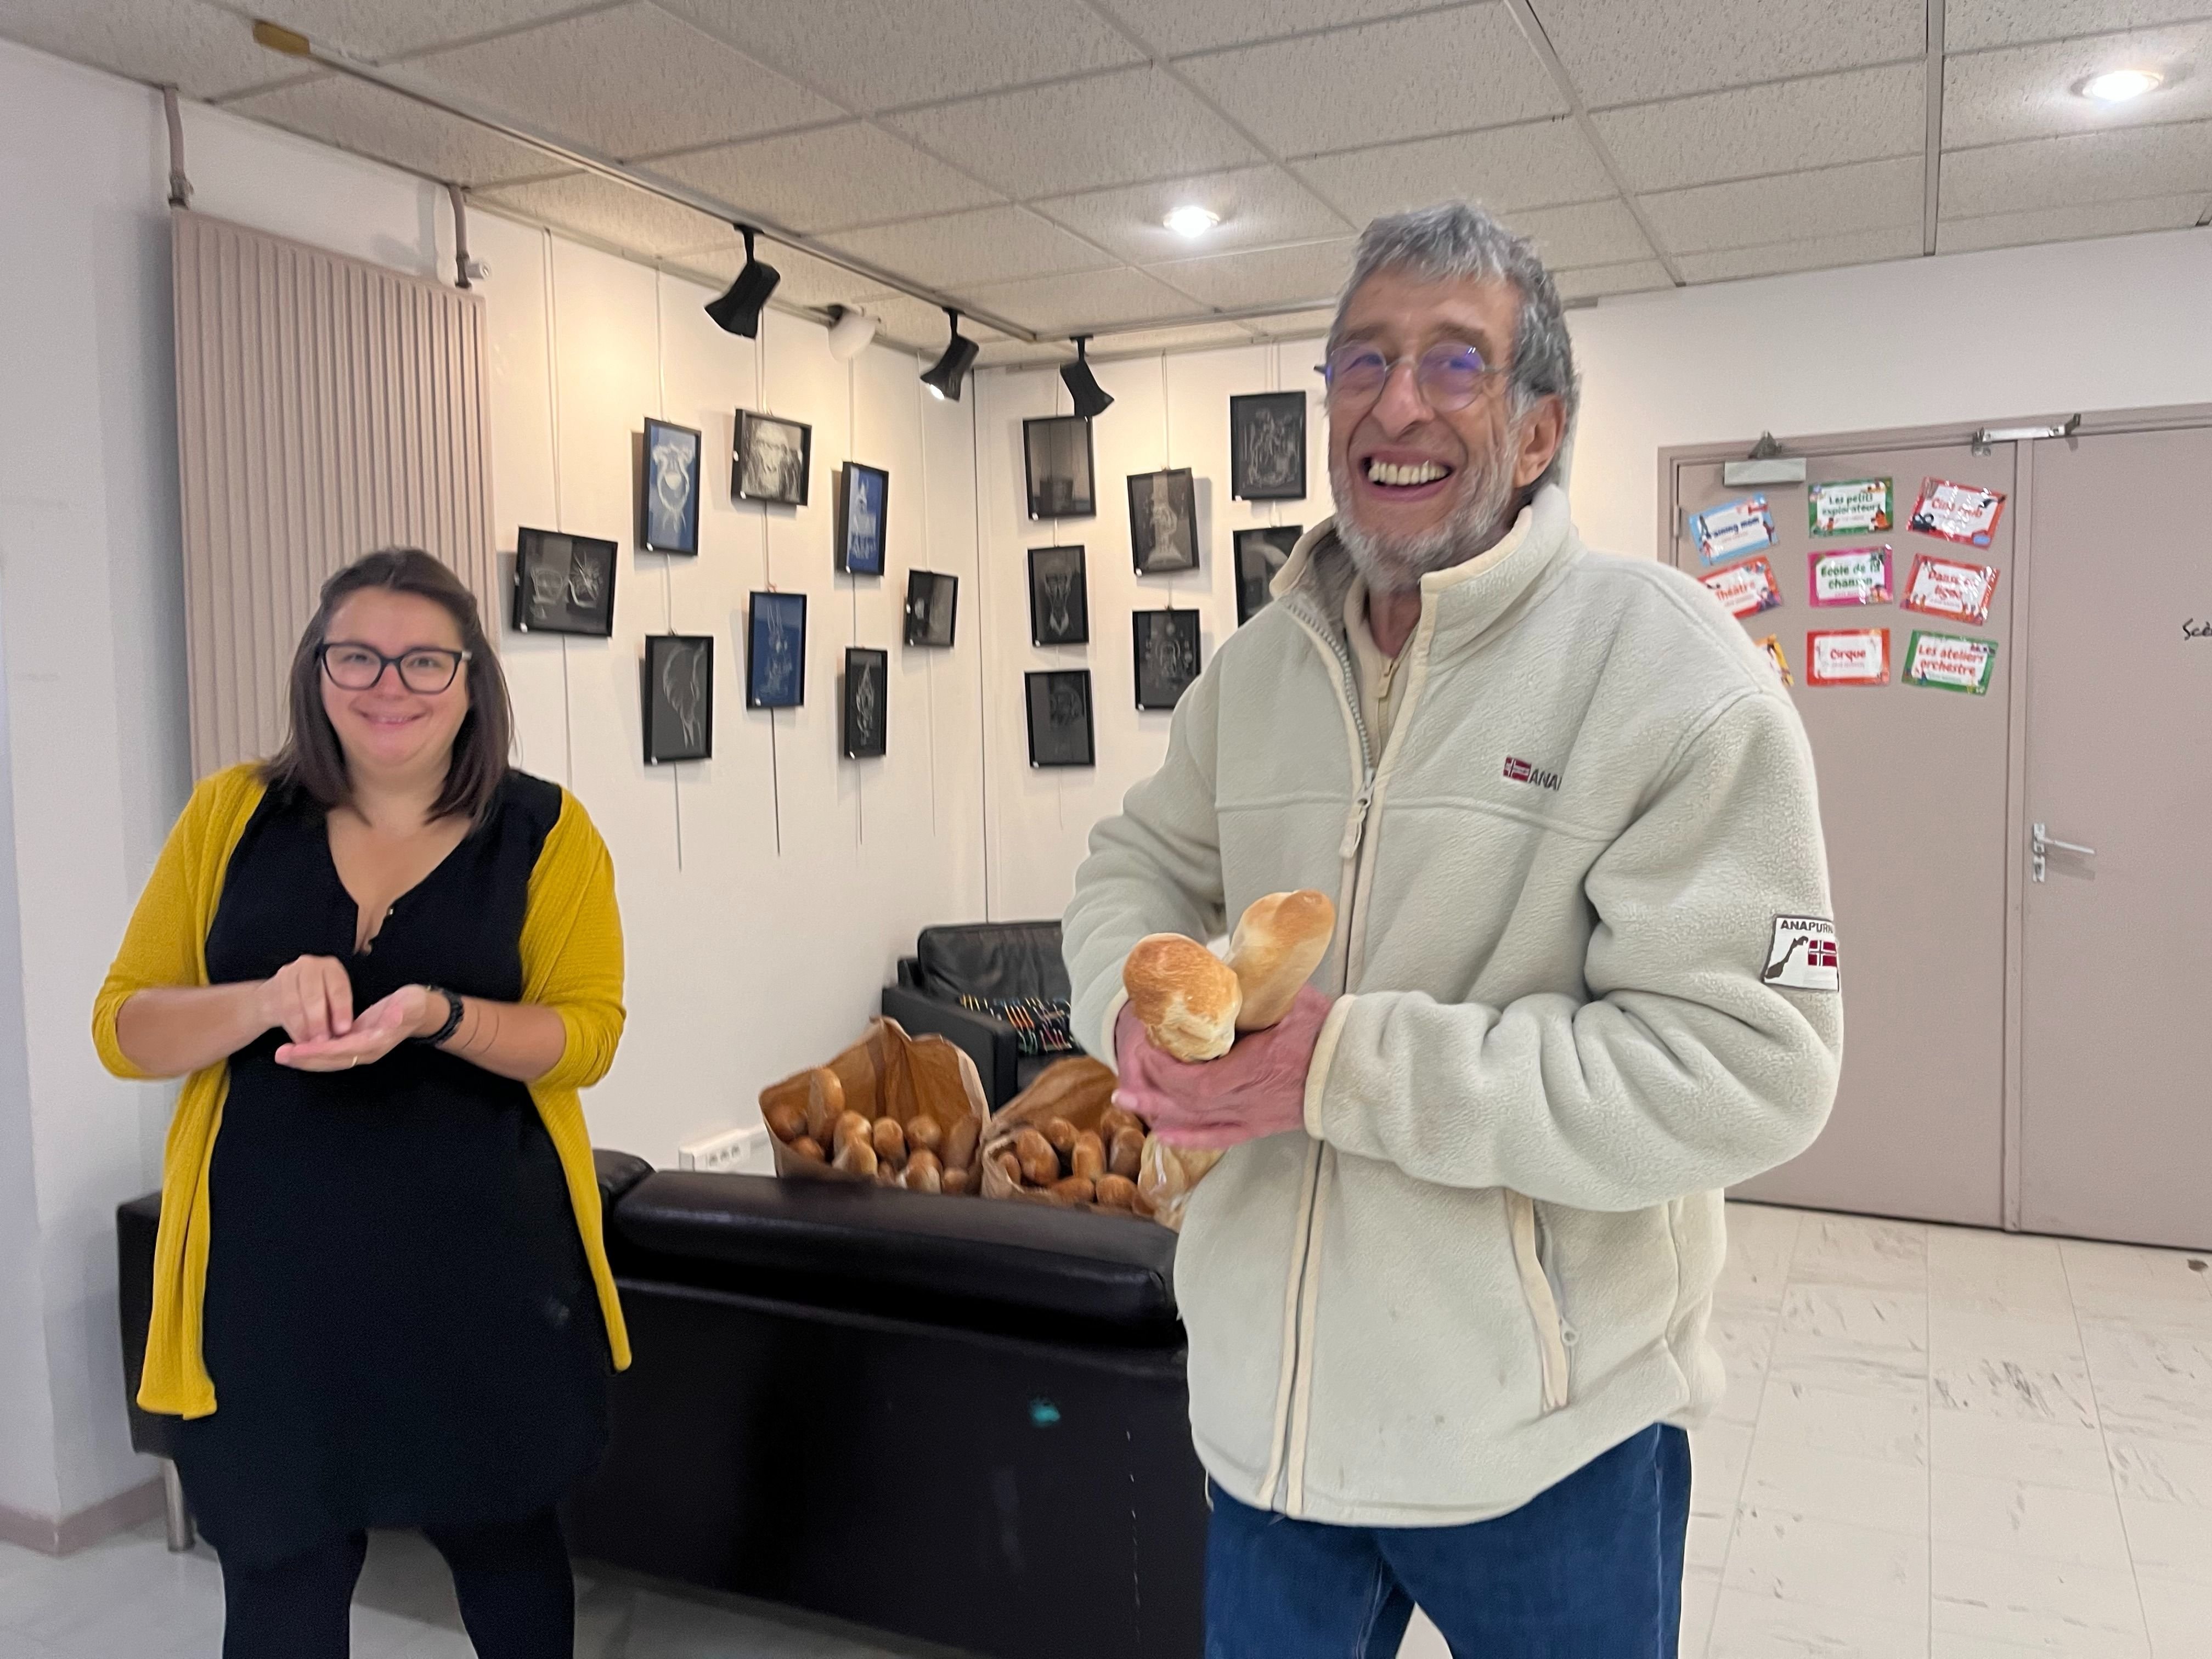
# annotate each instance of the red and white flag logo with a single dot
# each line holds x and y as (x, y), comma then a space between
(1803, 955)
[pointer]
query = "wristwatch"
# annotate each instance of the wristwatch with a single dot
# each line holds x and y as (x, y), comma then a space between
(452, 1016)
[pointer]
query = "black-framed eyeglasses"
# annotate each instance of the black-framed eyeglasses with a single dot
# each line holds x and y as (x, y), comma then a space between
(426, 669)
(1449, 376)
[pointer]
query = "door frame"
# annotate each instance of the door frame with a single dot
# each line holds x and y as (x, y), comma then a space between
(2103, 424)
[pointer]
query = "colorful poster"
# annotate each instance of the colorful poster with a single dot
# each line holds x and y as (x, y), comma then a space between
(1733, 529)
(1950, 662)
(1851, 507)
(1945, 588)
(1957, 512)
(1772, 645)
(1847, 656)
(1747, 588)
(1851, 575)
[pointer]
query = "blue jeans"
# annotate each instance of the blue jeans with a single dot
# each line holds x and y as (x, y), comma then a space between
(1591, 1569)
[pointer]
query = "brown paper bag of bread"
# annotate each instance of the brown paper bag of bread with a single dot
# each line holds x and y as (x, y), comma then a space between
(885, 1076)
(1075, 1098)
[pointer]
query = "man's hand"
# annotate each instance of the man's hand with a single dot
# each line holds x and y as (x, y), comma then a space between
(1258, 1088)
(410, 1011)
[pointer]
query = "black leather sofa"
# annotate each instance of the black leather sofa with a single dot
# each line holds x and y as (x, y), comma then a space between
(958, 1420)
(997, 961)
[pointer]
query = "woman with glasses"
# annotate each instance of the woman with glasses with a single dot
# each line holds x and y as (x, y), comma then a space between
(386, 961)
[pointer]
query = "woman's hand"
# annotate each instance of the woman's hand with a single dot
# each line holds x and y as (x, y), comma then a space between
(310, 997)
(409, 1011)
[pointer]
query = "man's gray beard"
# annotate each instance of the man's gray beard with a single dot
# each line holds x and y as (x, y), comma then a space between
(1395, 564)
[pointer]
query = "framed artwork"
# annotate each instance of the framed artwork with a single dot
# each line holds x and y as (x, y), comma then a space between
(1259, 555)
(563, 584)
(679, 697)
(932, 600)
(1167, 656)
(775, 651)
(1268, 447)
(862, 496)
(770, 460)
(1164, 521)
(867, 685)
(668, 515)
(1060, 717)
(1059, 596)
(1057, 461)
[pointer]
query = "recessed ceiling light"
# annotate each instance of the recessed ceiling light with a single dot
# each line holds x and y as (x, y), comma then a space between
(2119, 86)
(1191, 221)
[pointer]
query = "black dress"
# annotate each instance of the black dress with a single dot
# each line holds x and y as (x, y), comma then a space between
(400, 1323)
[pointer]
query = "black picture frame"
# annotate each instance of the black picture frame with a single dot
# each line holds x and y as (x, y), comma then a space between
(668, 489)
(564, 584)
(1260, 554)
(1060, 467)
(1164, 521)
(771, 460)
(1060, 596)
(679, 697)
(1061, 732)
(933, 607)
(1164, 646)
(862, 732)
(864, 495)
(775, 651)
(1268, 447)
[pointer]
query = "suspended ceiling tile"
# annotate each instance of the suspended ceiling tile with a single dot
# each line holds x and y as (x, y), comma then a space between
(1441, 71)
(1178, 26)
(1535, 165)
(1055, 305)
(1149, 341)
(616, 214)
(1860, 115)
(368, 120)
(1790, 207)
(1587, 233)
(381, 29)
(631, 81)
(1259, 207)
(987, 245)
(2083, 168)
(1971, 23)
(1286, 276)
(203, 52)
(2068, 224)
(873, 57)
(1862, 248)
(1594, 282)
(1080, 135)
(830, 178)
(2027, 92)
(1621, 53)
(917, 323)
(805, 280)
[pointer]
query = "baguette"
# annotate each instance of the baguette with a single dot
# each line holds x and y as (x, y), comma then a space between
(1278, 942)
(1186, 996)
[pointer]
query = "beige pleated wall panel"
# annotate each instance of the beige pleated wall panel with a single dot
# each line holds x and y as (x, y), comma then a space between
(326, 407)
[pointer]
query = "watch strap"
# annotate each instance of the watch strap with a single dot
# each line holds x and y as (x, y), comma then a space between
(452, 1016)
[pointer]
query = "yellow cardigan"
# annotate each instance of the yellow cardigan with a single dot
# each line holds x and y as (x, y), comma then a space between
(572, 961)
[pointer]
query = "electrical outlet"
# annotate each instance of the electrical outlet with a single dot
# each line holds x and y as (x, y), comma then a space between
(734, 1152)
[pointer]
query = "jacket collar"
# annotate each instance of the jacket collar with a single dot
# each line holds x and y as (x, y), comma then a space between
(1460, 605)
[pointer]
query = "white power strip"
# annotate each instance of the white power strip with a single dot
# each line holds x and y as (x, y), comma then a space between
(733, 1151)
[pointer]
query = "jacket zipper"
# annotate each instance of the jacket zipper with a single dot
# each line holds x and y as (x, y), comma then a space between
(1540, 1288)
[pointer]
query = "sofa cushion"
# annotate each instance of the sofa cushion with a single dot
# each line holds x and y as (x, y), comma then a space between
(903, 1251)
(997, 961)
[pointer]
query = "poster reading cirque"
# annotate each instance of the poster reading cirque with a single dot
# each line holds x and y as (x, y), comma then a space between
(1949, 662)
(1957, 512)
(1733, 529)
(1847, 656)
(1945, 588)
(1851, 575)
(1853, 507)
(1745, 589)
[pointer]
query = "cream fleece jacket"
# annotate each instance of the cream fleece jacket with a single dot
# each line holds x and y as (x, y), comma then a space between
(1491, 1256)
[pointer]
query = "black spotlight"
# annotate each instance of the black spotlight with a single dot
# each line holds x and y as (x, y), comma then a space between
(950, 370)
(738, 310)
(1091, 399)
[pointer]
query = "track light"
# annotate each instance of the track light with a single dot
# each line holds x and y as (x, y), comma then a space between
(738, 310)
(1091, 399)
(950, 370)
(850, 330)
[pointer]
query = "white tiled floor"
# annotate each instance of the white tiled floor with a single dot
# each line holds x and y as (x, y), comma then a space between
(1937, 1444)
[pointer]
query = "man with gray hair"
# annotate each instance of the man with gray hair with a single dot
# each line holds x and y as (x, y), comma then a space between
(1446, 1291)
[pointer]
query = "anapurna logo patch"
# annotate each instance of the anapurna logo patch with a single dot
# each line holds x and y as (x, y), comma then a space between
(1803, 956)
(1521, 771)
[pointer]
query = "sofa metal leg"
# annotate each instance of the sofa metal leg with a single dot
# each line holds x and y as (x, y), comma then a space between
(177, 1513)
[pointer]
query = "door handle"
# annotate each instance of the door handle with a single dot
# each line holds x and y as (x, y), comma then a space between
(2041, 843)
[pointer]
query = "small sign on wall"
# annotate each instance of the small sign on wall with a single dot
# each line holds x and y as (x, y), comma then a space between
(1946, 587)
(1732, 530)
(1745, 589)
(1950, 662)
(1851, 575)
(1847, 656)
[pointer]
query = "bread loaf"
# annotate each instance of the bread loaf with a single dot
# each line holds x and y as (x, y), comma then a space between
(958, 1181)
(1126, 1155)
(855, 1156)
(1061, 1133)
(1011, 1167)
(960, 1142)
(1185, 996)
(851, 1126)
(889, 1138)
(787, 1121)
(1278, 942)
(924, 1174)
(825, 1104)
(1114, 1119)
(1039, 1163)
(1076, 1189)
(1116, 1192)
(1087, 1158)
(808, 1147)
(925, 1134)
(888, 1173)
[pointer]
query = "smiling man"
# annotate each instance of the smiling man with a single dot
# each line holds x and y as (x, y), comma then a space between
(1447, 1292)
